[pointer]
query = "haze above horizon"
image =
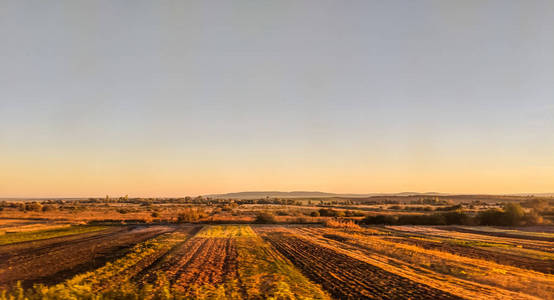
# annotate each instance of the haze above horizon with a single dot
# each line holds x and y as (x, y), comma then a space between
(173, 98)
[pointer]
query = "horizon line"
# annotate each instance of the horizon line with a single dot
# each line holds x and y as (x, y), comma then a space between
(331, 194)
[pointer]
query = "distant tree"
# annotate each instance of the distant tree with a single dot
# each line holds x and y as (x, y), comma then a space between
(533, 218)
(457, 218)
(513, 214)
(380, 219)
(538, 205)
(490, 217)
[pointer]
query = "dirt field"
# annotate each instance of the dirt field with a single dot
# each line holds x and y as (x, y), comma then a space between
(199, 261)
(540, 265)
(280, 262)
(347, 278)
(52, 260)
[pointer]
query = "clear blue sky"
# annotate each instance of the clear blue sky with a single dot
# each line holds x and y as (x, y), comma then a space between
(156, 98)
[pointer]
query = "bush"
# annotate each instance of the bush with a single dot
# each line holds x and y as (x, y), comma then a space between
(326, 212)
(489, 217)
(380, 220)
(314, 214)
(301, 220)
(265, 218)
(48, 208)
(434, 219)
(352, 213)
(449, 208)
(513, 214)
(190, 215)
(340, 214)
(533, 218)
(457, 218)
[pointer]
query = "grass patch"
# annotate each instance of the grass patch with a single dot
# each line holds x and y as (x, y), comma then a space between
(469, 243)
(267, 275)
(11, 238)
(226, 231)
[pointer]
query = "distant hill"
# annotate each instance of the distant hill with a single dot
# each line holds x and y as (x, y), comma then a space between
(534, 194)
(309, 194)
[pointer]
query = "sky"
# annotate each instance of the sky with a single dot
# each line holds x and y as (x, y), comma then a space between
(175, 98)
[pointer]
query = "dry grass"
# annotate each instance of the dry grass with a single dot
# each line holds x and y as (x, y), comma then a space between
(346, 224)
(457, 273)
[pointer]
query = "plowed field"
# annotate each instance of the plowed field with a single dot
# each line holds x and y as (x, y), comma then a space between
(275, 262)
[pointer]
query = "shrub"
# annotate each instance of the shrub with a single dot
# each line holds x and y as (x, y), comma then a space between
(533, 218)
(380, 220)
(48, 208)
(457, 218)
(265, 218)
(489, 217)
(434, 219)
(348, 224)
(301, 220)
(340, 214)
(190, 215)
(449, 208)
(326, 212)
(513, 214)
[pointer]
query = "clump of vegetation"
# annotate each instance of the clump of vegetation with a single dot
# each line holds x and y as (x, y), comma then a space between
(328, 212)
(265, 218)
(347, 224)
(190, 214)
(512, 214)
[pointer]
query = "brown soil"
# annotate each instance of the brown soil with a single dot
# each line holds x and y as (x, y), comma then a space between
(345, 277)
(53, 260)
(198, 261)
